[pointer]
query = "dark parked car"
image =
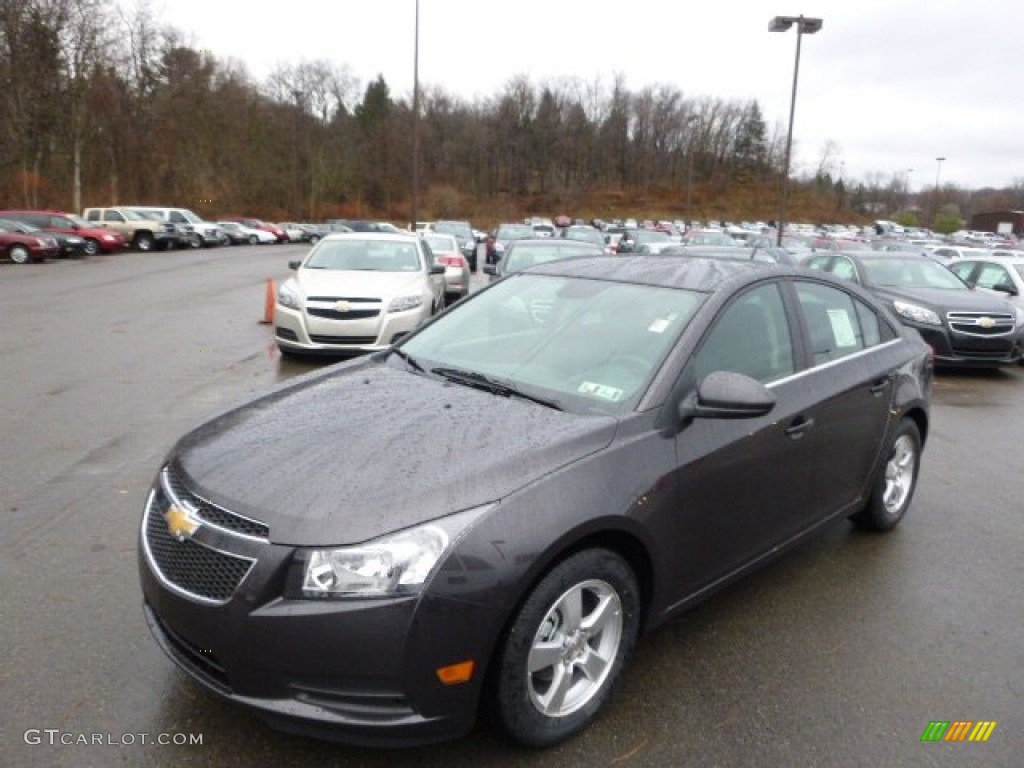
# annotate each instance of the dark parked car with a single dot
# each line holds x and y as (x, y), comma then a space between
(964, 327)
(642, 432)
(522, 254)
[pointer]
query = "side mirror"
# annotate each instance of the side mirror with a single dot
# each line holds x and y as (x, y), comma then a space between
(1007, 288)
(727, 395)
(294, 264)
(437, 269)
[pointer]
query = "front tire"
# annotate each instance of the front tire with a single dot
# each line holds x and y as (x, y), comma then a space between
(897, 478)
(566, 648)
(19, 254)
(91, 247)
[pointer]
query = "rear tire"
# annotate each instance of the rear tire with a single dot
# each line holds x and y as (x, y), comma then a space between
(895, 483)
(566, 648)
(143, 242)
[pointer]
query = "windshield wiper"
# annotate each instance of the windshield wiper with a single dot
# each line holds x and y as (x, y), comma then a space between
(409, 359)
(495, 387)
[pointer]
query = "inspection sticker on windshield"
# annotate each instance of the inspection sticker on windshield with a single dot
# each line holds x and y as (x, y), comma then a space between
(612, 394)
(661, 324)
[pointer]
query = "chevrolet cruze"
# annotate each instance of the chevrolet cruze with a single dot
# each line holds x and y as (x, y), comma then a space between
(495, 509)
(357, 292)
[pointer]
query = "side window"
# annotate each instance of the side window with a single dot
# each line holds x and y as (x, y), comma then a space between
(112, 216)
(962, 269)
(992, 275)
(750, 336)
(176, 217)
(837, 324)
(93, 215)
(819, 262)
(844, 268)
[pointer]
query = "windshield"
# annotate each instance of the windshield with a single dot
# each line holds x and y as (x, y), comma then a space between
(521, 256)
(79, 221)
(514, 232)
(651, 236)
(454, 228)
(365, 255)
(585, 235)
(588, 345)
(914, 272)
(444, 244)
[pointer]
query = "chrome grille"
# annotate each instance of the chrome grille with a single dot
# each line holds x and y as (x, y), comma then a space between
(333, 314)
(195, 569)
(319, 339)
(209, 512)
(981, 323)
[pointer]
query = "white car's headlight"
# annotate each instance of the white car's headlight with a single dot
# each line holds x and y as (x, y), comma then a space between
(288, 296)
(405, 303)
(916, 314)
(1018, 317)
(396, 564)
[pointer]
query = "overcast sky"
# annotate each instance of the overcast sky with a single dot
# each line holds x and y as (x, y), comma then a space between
(894, 83)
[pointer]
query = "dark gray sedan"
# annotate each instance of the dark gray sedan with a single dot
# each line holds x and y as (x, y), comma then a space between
(495, 509)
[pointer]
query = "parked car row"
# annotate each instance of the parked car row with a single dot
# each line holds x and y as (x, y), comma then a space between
(140, 227)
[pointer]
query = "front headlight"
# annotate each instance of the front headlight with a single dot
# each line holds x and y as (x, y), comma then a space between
(288, 296)
(396, 564)
(109, 238)
(916, 314)
(1018, 317)
(405, 303)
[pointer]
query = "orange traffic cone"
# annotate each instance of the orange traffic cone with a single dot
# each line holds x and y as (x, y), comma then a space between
(268, 304)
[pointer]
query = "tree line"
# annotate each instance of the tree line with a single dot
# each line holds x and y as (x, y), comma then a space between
(105, 107)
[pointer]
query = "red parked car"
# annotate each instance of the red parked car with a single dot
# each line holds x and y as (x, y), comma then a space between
(97, 239)
(21, 248)
(276, 231)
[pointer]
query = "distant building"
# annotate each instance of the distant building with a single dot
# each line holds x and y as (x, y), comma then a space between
(1001, 222)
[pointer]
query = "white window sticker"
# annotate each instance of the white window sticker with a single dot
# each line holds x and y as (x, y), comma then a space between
(842, 328)
(611, 394)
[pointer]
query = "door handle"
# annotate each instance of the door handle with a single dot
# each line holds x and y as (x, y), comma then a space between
(799, 428)
(879, 387)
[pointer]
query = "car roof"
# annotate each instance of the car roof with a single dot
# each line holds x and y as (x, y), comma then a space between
(684, 272)
(999, 259)
(401, 237)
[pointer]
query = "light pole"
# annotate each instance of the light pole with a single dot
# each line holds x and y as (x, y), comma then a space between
(689, 170)
(416, 123)
(907, 203)
(938, 174)
(804, 26)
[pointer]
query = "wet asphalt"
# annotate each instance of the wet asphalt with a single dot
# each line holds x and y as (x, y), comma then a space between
(839, 654)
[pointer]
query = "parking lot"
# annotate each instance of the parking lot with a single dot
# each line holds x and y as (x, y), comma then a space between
(840, 654)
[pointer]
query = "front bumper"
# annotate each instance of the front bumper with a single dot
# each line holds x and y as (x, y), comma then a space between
(358, 671)
(296, 330)
(958, 350)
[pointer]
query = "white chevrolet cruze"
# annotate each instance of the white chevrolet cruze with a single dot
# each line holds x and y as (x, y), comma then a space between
(357, 292)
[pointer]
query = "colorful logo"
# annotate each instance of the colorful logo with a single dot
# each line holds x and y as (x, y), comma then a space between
(958, 730)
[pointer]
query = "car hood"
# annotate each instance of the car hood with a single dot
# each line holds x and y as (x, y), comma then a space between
(367, 449)
(358, 283)
(944, 299)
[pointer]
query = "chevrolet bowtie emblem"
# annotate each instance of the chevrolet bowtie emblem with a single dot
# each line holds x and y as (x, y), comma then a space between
(179, 524)
(986, 322)
(343, 306)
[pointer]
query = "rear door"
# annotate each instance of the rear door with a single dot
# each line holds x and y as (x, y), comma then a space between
(851, 351)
